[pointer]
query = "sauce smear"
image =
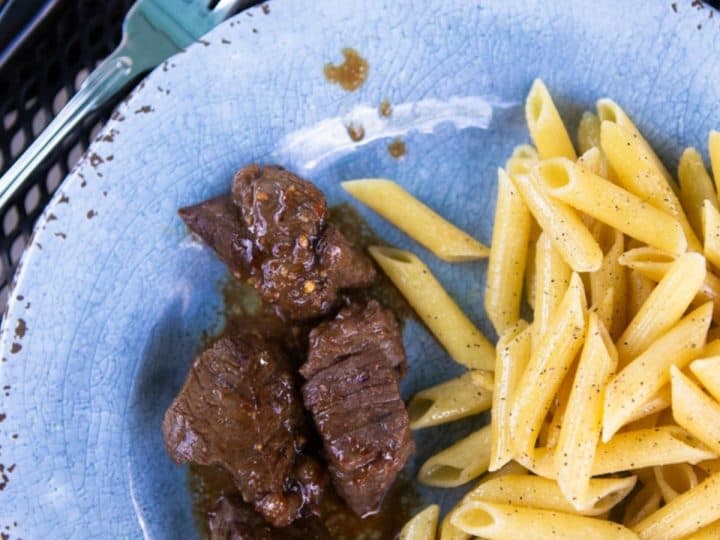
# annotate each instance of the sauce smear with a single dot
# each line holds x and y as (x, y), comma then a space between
(397, 148)
(351, 74)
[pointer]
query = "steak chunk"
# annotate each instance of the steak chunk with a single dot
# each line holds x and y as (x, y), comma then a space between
(239, 408)
(231, 519)
(353, 369)
(278, 239)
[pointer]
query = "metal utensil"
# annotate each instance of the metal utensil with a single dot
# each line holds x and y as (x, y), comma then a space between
(153, 31)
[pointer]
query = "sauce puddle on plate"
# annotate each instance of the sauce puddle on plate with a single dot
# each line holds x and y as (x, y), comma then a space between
(351, 74)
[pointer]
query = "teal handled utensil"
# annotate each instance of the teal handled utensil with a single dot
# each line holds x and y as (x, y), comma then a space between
(153, 31)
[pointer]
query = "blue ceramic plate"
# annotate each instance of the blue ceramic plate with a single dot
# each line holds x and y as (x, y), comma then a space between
(113, 295)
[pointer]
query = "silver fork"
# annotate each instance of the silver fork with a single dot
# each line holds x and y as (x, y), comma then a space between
(153, 30)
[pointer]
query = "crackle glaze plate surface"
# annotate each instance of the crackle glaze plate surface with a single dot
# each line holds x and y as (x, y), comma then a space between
(113, 294)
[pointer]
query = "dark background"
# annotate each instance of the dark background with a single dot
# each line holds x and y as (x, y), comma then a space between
(47, 48)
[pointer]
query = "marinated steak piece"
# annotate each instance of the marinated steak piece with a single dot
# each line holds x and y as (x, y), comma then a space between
(354, 366)
(239, 408)
(231, 519)
(280, 241)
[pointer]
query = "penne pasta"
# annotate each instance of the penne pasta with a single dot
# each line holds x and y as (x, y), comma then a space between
(714, 151)
(530, 267)
(504, 521)
(696, 187)
(448, 401)
(543, 493)
(630, 450)
(707, 371)
(594, 162)
(484, 379)
(659, 401)
(685, 514)
(610, 111)
(610, 204)
(648, 372)
(513, 354)
(552, 278)
(642, 504)
(416, 219)
(711, 233)
(588, 134)
(710, 466)
(665, 305)
(550, 432)
(673, 480)
(460, 337)
(639, 289)
(637, 171)
(694, 410)
(522, 160)
(547, 367)
(458, 464)
(506, 267)
(422, 526)
(608, 286)
(564, 227)
(709, 532)
(580, 431)
(547, 130)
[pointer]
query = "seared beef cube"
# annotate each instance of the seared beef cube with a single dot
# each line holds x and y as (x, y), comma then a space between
(231, 519)
(356, 329)
(239, 408)
(217, 222)
(352, 392)
(279, 240)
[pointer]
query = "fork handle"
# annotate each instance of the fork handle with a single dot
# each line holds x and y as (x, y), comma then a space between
(102, 84)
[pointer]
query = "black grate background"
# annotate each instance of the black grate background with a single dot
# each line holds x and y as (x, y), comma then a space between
(38, 76)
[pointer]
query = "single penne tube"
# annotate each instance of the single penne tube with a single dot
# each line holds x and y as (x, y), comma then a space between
(610, 204)
(503, 521)
(649, 371)
(675, 479)
(513, 354)
(714, 151)
(610, 111)
(580, 433)
(653, 264)
(612, 276)
(711, 233)
(547, 130)
(593, 161)
(639, 289)
(448, 401)
(630, 450)
(685, 514)
(537, 492)
(455, 332)
(415, 219)
(588, 133)
(458, 464)
(635, 171)
(707, 371)
(552, 279)
(694, 410)
(422, 526)
(548, 365)
(563, 225)
(506, 267)
(696, 187)
(709, 532)
(663, 308)
(642, 504)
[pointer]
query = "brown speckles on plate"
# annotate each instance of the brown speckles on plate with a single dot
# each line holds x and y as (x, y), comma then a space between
(91, 214)
(351, 74)
(355, 131)
(61, 235)
(204, 42)
(144, 109)
(225, 41)
(15, 348)
(396, 148)
(6, 390)
(385, 108)
(255, 30)
(20, 329)
(266, 9)
(51, 217)
(109, 158)
(95, 160)
(118, 116)
(64, 199)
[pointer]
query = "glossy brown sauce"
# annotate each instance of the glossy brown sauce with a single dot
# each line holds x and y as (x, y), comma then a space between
(351, 74)
(355, 131)
(397, 148)
(243, 310)
(385, 108)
